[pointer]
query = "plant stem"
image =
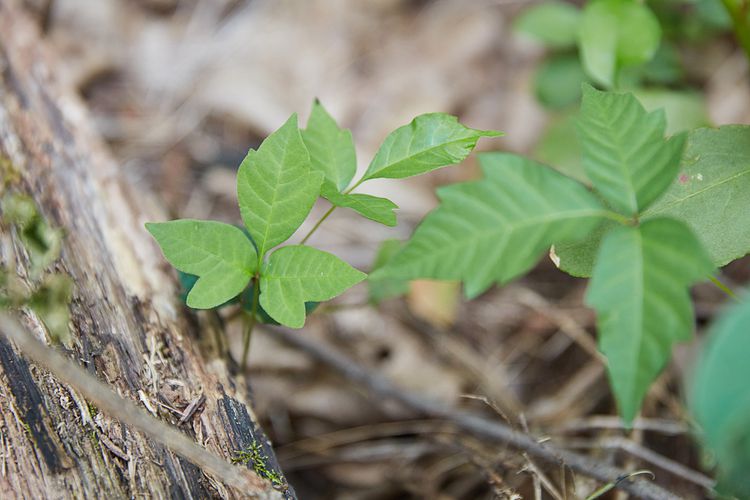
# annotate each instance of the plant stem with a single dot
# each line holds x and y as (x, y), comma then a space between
(739, 11)
(721, 286)
(317, 224)
(250, 322)
(355, 186)
(328, 213)
(622, 219)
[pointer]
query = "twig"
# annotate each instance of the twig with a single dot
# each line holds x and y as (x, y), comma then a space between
(128, 413)
(564, 321)
(469, 422)
(638, 451)
(540, 478)
(660, 425)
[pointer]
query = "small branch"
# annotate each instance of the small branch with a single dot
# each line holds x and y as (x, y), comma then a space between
(317, 225)
(636, 450)
(128, 413)
(471, 423)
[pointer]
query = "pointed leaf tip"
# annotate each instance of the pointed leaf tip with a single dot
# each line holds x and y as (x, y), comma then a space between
(625, 154)
(639, 289)
(276, 187)
(429, 142)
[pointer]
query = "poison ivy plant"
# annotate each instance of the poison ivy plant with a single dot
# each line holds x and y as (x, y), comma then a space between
(430, 141)
(639, 290)
(709, 194)
(495, 229)
(720, 400)
(219, 254)
(277, 186)
(297, 274)
(645, 257)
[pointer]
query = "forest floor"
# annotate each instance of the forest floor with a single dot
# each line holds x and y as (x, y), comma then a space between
(181, 89)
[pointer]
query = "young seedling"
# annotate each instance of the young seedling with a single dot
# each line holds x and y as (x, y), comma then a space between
(277, 186)
(634, 233)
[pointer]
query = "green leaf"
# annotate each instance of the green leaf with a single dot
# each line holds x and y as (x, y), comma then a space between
(276, 187)
(720, 400)
(387, 287)
(219, 254)
(711, 191)
(685, 109)
(429, 142)
(665, 68)
(294, 275)
(374, 208)
(555, 24)
(331, 148)
(709, 195)
(639, 289)
(332, 152)
(41, 241)
(560, 148)
(496, 228)
(557, 82)
(577, 258)
(616, 33)
(51, 301)
(624, 151)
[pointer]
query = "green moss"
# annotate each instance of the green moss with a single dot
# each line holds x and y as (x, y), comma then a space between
(27, 430)
(93, 410)
(255, 457)
(9, 174)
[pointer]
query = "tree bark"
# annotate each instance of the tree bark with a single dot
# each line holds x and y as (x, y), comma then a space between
(127, 325)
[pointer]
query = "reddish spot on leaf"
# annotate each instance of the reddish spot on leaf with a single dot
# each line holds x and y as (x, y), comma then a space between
(684, 178)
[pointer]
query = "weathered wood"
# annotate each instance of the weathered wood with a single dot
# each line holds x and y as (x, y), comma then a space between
(127, 325)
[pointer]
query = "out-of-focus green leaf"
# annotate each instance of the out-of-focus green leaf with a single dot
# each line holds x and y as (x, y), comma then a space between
(720, 400)
(51, 301)
(554, 23)
(41, 241)
(387, 287)
(685, 110)
(616, 33)
(560, 148)
(557, 83)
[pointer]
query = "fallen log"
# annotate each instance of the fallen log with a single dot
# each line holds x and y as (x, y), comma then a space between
(127, 327)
